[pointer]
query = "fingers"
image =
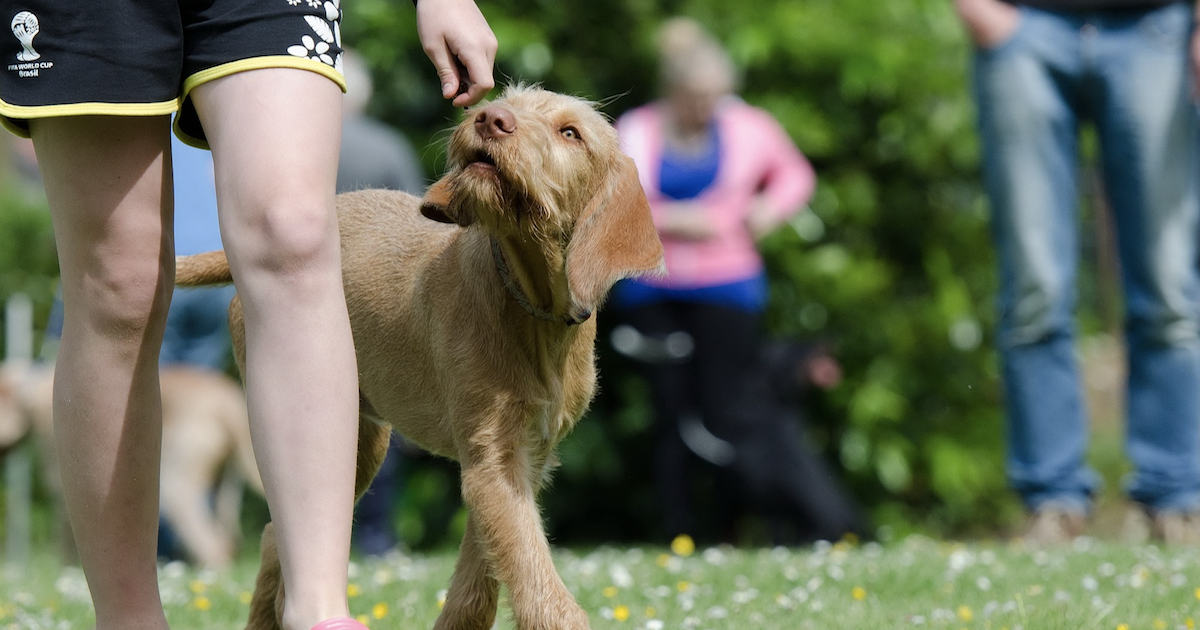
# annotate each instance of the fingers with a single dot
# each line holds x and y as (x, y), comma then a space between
(447, 71)
(478, 78)
(462, 47)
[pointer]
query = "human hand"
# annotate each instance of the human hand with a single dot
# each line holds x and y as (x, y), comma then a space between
(823, 371)
(1195, 55)
(687, 221)
(761, 221)
(990, 22)
(459, 42)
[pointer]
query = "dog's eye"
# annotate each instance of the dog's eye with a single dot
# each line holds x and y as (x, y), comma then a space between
(570, 133)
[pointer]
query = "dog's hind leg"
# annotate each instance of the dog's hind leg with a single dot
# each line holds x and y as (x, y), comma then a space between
(266, 605)
(373, 441)
(474, 592)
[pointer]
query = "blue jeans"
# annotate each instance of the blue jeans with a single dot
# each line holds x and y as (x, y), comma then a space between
(1126, 72)
(197, 330)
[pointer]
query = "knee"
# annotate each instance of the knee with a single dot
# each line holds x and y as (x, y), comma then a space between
(122, 299)
(1165, 309)
(1038, 311)
(290, 236)
(1164, 326)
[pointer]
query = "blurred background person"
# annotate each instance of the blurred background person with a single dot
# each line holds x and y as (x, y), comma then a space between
(1042, 68)
(373, 155)
(719, 175)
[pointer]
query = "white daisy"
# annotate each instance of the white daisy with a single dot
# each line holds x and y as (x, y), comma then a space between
(312, 49)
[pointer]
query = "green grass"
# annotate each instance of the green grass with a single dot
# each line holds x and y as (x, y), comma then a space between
(915, 583)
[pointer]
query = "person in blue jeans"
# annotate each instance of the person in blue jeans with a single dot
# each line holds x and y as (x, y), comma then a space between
(1042, 68)
(197, 330)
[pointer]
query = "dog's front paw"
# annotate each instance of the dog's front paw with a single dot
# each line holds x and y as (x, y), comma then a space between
(566, 616)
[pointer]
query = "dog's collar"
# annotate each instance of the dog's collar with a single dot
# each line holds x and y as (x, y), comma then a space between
(519, 296)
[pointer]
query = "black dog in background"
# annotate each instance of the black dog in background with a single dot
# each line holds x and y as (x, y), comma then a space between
(765, 463)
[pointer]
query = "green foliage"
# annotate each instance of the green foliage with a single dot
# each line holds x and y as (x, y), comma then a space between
(28, 259)
(892, 263)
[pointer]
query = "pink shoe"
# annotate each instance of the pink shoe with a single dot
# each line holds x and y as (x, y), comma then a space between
(339, 623)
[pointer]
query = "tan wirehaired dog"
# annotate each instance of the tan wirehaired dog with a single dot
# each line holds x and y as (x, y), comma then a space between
(205, 448)
(475, 331)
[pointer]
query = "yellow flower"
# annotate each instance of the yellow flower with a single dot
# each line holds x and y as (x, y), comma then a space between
(1190, 623)
(245, 597)
(197, 586)
(353, 590)
(650, 612)
(859, 593)
(965, 613)
(683, 586)
(683, 545)
(621, 613)
(380, 610)
(1159, 624)
(361, 619)
(441, 600)
(609, 591)
(1122, 626)
(663, 560)
(1197, 593)
(202, 603)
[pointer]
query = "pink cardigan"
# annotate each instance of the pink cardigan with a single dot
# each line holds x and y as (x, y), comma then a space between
(757, 157)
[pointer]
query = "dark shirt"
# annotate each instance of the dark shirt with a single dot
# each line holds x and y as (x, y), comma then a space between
(375, 156)
(1084, 5)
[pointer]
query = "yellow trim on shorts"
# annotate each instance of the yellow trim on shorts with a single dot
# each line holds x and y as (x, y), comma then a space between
(252, 63)
(10, 113)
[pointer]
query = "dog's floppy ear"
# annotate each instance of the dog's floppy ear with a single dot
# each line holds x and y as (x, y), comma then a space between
(614, 238)
(438, 204)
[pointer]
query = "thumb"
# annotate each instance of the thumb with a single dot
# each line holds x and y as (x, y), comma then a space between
(447, 69)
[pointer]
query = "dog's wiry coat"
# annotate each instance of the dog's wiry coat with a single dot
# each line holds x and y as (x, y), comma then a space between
(449, 356)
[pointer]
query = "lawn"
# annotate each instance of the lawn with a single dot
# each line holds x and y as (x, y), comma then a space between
(914, 583)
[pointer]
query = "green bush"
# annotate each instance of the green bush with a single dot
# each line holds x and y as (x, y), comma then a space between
(892, 263)
(28, 260)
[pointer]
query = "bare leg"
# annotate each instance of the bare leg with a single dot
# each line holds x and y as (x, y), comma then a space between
(108, 181)
(275, 135)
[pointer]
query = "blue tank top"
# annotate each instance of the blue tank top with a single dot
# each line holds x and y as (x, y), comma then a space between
(683, 177)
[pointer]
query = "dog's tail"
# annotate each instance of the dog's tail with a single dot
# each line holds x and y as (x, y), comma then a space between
(202, 270)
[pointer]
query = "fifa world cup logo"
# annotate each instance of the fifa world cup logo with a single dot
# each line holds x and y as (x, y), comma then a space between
(25, 27)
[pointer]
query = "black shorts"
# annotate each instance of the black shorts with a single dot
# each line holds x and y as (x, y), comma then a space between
(144, 57)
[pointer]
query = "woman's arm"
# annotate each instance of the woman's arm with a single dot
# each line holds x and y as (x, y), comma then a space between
(787, 186)
(989, 22)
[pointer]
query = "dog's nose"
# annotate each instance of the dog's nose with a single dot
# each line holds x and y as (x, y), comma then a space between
(495, 122)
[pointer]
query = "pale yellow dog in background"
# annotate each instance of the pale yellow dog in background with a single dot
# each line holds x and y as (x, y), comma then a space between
(206, 448)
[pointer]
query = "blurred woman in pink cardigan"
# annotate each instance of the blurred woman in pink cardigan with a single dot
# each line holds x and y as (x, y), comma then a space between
(719, 174)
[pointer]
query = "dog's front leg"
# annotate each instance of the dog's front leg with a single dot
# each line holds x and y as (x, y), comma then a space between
(474, 592)
(501, 499)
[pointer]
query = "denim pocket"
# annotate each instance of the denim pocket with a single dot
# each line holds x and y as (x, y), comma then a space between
(1168, 28)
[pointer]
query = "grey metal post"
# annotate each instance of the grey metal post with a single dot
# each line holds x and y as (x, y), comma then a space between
(18, 466)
